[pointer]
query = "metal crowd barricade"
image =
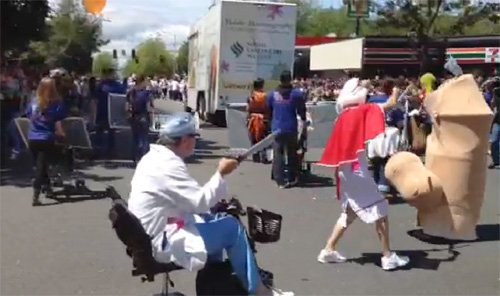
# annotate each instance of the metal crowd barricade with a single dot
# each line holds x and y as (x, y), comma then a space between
(323, 116)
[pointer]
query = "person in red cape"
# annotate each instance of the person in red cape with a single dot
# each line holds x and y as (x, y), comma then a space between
(357, 124)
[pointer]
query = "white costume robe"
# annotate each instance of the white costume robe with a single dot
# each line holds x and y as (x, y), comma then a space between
(357, 125)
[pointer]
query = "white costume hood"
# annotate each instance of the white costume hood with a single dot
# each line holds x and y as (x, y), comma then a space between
(351, 94)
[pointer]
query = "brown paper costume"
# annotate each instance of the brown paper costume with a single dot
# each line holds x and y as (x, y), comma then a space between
(448, 190)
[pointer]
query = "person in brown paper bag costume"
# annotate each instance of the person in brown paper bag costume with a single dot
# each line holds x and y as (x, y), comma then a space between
(448, 190)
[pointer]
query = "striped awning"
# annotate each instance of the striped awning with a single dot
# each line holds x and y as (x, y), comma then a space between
(393, 56)
(475, 55)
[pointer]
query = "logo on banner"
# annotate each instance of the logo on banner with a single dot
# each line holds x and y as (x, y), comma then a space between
(237, 49)
(492, 55)
(275, 11)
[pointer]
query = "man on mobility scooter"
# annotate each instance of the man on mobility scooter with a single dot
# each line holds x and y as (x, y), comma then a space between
(175, 210)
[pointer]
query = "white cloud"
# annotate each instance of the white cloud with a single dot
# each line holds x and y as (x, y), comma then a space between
(132, 22)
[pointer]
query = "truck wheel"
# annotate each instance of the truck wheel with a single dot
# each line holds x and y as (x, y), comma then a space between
(201, 108)
(220, 118)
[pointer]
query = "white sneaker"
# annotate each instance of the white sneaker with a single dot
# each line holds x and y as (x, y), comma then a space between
(327, 256)
(278, 292)
(394, 261)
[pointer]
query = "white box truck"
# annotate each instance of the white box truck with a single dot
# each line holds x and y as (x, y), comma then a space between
(235, 43)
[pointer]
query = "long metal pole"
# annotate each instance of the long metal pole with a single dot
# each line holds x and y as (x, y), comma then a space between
(358, 25)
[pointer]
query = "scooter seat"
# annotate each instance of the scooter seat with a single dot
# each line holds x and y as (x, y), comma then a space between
(137, 242)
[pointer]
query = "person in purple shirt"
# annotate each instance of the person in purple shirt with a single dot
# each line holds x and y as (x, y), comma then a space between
(45, 113)
(106, 86)
(495, 130)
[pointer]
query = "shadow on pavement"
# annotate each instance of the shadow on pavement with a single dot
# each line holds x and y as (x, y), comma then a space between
(315, 181)
(62, 200)
(205, 149)
(203, 144)
(197, 157)
(395, 199)
(116, 164)
(170, 294)
(19, 173)
(419, 259)
(11, 177)
(485, 233)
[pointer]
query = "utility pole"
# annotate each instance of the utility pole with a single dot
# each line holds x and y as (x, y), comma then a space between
(176, 53)
(358, 26)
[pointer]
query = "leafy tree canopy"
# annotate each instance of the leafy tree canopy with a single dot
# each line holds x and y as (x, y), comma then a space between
(21, 21)
(429, 18)
(73, 37)
(398, 17)
(183, 58)
(153, 59)
(103, 61)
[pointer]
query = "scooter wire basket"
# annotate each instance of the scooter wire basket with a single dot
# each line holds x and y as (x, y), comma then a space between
(264, 226)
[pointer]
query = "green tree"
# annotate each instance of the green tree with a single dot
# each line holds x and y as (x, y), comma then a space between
(428, 18)
(73, 37)
(183, 58)
(328, 21)
(103, 61)
(304, 16)
(153, 59)
(22, 21)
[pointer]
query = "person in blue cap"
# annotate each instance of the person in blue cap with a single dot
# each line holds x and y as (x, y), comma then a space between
(174, 209)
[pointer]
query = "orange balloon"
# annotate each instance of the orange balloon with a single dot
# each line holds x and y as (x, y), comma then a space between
(94, 6)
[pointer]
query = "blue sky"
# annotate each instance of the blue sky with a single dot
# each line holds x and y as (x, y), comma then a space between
(133, 21)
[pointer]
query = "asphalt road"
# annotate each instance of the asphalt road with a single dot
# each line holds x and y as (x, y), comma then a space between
(70, 248)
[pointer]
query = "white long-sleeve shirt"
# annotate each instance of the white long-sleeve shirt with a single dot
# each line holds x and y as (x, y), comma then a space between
(162, 188)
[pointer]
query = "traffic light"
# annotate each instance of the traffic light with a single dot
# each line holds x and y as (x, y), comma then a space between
(115, 54)
(133, 53)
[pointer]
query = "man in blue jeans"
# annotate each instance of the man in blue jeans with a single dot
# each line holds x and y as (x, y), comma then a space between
(140, 106)
(495, 130)
(394, 118)
(107, 85)
(174, 209)
(285, 104)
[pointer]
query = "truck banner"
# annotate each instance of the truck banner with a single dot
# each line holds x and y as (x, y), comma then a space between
(256, 42)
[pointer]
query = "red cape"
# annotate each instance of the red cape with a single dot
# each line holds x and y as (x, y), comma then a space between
(354, 127)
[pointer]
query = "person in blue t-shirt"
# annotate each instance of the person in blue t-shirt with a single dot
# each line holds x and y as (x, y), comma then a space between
(394, 118)
(106, 86)
(495, 130)
(140, 106)
(285, 104)
(45, 113)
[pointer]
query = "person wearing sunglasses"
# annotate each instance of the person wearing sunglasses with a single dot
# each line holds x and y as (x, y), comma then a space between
(175, 210)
